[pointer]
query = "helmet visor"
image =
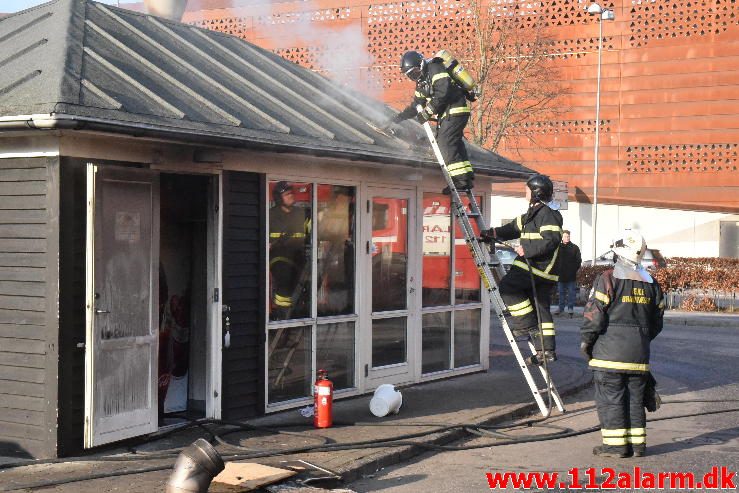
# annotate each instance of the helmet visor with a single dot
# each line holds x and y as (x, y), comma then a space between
(413, 73)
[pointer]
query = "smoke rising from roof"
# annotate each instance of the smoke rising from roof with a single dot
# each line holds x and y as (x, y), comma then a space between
(329, 40)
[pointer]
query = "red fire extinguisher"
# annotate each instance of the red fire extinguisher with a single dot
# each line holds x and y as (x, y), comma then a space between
(323, 396)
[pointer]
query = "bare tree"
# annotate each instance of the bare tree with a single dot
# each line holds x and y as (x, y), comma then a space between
(508, 52)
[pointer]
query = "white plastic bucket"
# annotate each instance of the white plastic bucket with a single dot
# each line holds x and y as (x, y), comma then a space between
(386, 401)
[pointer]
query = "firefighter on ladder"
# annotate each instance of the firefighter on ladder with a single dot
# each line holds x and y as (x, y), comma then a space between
(540, 232)
(289, 254)
(444, 99)
(623, 314)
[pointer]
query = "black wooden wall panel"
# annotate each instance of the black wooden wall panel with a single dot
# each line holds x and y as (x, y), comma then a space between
(28, 324)
(243, 290)
(72, 307)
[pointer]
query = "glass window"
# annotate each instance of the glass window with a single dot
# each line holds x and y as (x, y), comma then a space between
(289, 363)
(466, 276)
(437, 250)
(436, 341)
(388, 341)
(466, 338)
(389, 253)
(290, 253)
(335, 230)
(335, 353)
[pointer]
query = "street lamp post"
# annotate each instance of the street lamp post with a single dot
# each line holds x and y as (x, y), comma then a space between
(605, 15)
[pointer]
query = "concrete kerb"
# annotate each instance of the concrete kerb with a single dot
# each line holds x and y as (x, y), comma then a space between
(701, 319)
(693, 319)
(395, 455)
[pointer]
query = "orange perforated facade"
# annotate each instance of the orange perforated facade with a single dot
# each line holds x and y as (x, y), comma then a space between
(669, 129)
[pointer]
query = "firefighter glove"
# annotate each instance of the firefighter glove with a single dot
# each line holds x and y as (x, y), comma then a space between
(586, 350)
(487, 235)
(424, 115)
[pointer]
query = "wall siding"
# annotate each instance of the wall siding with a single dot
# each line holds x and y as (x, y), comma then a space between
(243, 291)
(29, 230)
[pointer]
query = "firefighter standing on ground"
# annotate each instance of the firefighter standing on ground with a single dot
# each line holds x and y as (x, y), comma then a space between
(289, 254)
(540, 231)
(443, 98)
(624, 313)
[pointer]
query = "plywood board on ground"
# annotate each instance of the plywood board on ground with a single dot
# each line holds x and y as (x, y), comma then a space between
(247, 476)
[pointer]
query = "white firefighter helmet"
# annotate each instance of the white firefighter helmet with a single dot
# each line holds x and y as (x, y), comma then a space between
(630, 246)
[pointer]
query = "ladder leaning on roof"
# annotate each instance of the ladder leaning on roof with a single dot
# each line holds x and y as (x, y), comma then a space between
(485, 268)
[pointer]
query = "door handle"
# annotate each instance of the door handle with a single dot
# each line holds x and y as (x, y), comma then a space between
(98, 311)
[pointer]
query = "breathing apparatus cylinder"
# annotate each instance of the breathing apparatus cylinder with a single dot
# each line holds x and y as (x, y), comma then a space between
(457, 71)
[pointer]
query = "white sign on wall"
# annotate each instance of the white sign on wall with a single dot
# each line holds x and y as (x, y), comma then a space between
(559, 200)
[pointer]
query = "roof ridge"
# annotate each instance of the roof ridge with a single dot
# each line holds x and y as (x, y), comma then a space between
(71, 78)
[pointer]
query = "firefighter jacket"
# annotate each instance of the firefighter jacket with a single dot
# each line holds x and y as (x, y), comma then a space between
(540, 231)
(437, 93)
(289, 233)
(622, 317)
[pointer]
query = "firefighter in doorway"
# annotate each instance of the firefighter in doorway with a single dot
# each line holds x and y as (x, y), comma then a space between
(289, 253)
(443, 99)
(526, 287)
(623, 314)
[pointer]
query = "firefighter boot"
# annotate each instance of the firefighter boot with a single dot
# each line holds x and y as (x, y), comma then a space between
(639, 450)
(462, 183)
(613, 451)
(538, 358)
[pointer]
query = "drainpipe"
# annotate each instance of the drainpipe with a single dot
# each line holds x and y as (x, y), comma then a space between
(169, 9)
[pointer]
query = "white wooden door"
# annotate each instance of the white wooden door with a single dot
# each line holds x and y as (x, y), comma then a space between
(390, 236)
(121, 304)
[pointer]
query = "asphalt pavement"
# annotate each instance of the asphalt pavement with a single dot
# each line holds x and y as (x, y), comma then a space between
(498, 395)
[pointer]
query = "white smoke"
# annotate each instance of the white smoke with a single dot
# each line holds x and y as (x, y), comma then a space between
(330, 40)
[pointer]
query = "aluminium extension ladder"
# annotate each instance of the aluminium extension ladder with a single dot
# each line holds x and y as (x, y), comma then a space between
(485, 268)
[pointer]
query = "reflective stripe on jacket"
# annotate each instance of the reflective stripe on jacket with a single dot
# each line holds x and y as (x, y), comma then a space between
(540, 231)
(622, 317)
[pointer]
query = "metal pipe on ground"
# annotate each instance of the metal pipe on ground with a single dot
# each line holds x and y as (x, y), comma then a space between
(195, 468)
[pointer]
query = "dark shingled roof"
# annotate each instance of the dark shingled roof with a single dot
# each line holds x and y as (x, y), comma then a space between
(85, 65)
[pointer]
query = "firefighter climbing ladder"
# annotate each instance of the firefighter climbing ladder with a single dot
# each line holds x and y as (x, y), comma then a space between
(485, 268)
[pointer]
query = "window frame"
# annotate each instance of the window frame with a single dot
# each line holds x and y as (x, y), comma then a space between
(313, 321)
(454, 307)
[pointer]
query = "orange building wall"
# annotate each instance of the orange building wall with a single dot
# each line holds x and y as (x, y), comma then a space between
(669, 131)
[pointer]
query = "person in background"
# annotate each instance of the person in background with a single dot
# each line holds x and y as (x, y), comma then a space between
(569, 264)
(623, 315)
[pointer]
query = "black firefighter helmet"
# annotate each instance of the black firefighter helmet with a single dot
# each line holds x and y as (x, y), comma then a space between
(410, 64)
(541, 188)
(280, 188)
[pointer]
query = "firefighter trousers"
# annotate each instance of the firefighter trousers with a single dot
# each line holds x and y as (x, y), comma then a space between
(449, 136)
(518, 296)
(287, 296)
(619, 398)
